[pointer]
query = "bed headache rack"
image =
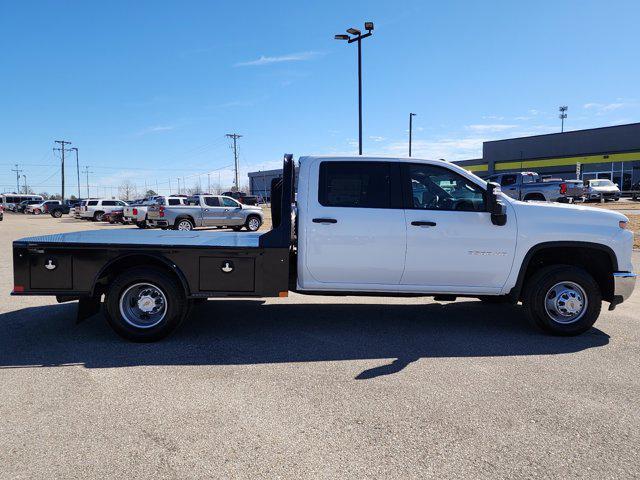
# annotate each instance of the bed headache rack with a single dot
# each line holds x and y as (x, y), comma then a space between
(281, 200)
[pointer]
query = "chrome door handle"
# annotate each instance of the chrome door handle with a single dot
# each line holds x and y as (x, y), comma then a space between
(423, 224)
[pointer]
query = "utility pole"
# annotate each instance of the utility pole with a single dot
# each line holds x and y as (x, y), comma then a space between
(411, 115)
(178, 185)
(62, 150)
(26, 187)
(18, 172)
(77, 169)
(87, 172)
(235, 138)
(208, 183)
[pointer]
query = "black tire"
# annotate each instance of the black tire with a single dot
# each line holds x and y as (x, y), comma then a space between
(175, 311)
(97, 217)
(539, 286)
(56, 214)
(236, 228)
(250, 224)
(141, 225)
(181, 224)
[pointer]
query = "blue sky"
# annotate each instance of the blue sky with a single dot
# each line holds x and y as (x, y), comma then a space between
(147, 90)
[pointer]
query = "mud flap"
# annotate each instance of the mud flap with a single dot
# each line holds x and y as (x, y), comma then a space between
(87, 307)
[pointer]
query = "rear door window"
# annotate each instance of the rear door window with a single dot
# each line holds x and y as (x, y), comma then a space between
(508, 180)
(212, 201)
(108, 203)
(355, 184)
(92, 203)
(174, 201)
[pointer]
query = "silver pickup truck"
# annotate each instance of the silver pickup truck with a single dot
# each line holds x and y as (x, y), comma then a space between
(206, 211)
(530, 186)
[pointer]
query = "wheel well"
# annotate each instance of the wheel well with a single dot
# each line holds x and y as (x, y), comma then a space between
(534, 196)
(184, 217)
(596, 261)
(119, 265)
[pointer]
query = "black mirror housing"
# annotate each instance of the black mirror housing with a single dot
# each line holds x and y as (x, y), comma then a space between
(496, 208)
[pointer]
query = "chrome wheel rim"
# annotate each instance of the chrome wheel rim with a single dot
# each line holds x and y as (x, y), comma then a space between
(254, 224)
(143, 305)
(184, 225)
(566, 302)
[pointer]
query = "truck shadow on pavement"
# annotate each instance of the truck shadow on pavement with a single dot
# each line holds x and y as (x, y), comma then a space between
(238, 332)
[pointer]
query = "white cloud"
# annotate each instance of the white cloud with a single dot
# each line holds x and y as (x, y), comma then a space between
(155, 129)
(492, 117)
(601, 108)
(291, 57)
(491, 127)
(376, 138)
(533, 111)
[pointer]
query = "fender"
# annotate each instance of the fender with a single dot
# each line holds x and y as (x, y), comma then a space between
(172, 266)
(515, 291)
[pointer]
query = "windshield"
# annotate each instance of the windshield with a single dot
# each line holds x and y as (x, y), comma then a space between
(601, 183)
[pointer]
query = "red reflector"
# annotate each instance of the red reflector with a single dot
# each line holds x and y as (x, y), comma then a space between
(18, 288)
(563, 188)
(135, 211)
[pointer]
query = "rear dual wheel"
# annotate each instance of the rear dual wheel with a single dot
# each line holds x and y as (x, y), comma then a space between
(145, 304)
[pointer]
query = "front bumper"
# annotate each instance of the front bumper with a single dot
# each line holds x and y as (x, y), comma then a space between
(623, 285)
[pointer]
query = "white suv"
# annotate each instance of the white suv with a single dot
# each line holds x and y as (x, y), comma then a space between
(95, 209)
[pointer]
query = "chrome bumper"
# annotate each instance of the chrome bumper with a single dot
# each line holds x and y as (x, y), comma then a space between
(623, 285)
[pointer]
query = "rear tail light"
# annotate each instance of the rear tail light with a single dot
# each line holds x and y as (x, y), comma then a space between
(161, 211)
(135, 211)
(563, 188)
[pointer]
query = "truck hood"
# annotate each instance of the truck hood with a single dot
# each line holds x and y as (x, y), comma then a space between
(566, 213)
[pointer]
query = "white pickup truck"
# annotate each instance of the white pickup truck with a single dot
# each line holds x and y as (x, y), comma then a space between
(365, 226)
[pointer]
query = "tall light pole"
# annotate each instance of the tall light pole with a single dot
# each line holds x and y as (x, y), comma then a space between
(26, 187)
(562, 116)
(358, 36)
(77, 168)
(411, 115)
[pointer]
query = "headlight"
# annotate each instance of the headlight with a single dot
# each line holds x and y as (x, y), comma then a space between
(622, 224)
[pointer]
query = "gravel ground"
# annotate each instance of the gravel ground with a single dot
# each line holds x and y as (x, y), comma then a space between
(314, 387)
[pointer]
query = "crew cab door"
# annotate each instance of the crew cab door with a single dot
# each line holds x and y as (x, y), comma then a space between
(510, 184)
(355, 232)
(452, 246)
(232, 210)
(213, 213)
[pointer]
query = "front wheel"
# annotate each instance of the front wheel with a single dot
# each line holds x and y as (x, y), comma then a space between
(253, 223)
(57, 214)
(36, 211)
(562, 300)
(145, 304)
(98, 216)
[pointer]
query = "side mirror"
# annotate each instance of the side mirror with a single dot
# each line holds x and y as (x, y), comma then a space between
(496, 208)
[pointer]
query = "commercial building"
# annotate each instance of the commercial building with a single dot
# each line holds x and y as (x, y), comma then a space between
(607, 152)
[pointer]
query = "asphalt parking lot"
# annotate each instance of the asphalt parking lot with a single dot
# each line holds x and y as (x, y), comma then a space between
(314, 387)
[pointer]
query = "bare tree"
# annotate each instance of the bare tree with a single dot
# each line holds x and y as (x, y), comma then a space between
(127, 190)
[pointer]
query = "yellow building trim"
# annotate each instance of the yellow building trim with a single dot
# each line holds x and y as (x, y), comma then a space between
(563, 161)
(476, 168)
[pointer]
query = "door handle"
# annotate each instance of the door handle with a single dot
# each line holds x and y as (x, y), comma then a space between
(324, 220)
(423, 224)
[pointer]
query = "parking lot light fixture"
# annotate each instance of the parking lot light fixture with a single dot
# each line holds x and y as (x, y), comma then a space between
(357, 37)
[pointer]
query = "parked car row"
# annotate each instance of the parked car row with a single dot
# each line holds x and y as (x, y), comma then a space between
(530, 186)
(179, 212)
